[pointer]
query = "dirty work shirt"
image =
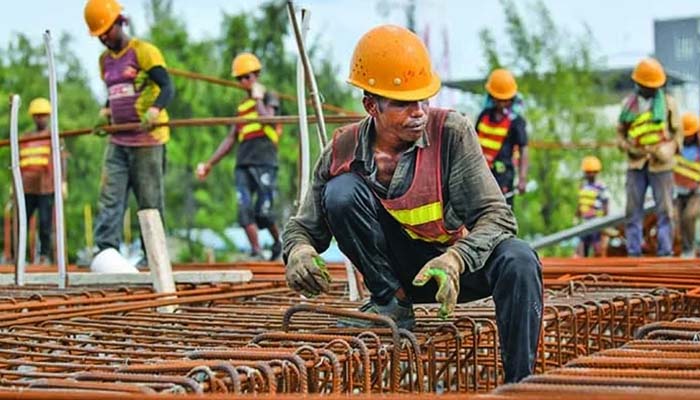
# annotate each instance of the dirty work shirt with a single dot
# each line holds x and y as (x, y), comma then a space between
(131, 92)
(470, 193)
(259, 150)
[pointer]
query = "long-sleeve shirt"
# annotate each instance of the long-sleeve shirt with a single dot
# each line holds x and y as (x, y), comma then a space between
(471, 195)
(638, 159)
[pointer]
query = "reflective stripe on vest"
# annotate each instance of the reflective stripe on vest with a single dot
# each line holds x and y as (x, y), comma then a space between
(644, 131)
(491, 136)
(34, 155)
(420, 209)
(588, 204)
(253, 130)
(686, 173)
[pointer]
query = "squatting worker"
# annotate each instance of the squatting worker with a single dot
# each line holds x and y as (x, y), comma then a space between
(407, 194)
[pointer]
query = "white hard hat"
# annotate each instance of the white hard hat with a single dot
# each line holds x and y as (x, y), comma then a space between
(110, 260)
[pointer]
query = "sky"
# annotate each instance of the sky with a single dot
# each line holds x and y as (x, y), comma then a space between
(622, 29)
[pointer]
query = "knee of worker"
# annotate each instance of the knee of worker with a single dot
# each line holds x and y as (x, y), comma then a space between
(345, 194)
(521, 266)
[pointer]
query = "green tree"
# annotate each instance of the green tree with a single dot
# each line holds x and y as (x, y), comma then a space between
(555, 72)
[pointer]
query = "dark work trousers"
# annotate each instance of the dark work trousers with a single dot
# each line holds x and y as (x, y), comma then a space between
(505, 182)
(662, 188)
(140, 169)
(389, 259)
(44, 204)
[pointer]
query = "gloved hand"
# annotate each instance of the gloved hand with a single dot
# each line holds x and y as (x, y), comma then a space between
(664, 152)
(257, 91)
(306, 271)
(149, 118)
(103, 120)
(446, 270)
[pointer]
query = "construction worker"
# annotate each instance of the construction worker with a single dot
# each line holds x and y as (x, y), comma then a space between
(37, 176)
(399, 190)
(501, 130)
(592, 203)
(139, 89)
(649, 133)
(687, 177)
(256, 157)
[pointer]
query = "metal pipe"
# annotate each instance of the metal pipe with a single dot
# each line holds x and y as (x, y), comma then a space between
(305, 156)
(56, 159)
(20, 256)
(308, 71)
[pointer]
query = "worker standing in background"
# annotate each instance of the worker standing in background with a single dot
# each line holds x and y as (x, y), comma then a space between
(687, 177)
(256, 157)
(502, 129)
(649, 133)
(139, 90)
(398, 191)
(37, 176)
(592, 203)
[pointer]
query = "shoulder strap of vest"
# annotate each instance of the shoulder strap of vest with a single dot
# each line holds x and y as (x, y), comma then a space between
(436, 122)
(344, 144)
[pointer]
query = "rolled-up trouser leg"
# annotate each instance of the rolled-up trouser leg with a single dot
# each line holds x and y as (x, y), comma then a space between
(662, 188)
(636, 187)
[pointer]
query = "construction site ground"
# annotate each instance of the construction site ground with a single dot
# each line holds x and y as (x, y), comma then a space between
(612, 328)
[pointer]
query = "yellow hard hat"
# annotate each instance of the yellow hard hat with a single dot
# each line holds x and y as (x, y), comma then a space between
(501, 84)
(649, 73)
(392, 62)
(591, 164)
(245, 63)
(39, 106)
(691, 124)
(101, 14)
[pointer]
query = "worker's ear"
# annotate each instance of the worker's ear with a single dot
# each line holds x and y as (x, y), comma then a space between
(371, 105)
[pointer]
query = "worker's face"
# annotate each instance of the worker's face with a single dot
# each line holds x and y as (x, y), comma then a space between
(113, 38)
(247, 80)
(645, 91)
(590, 176)
(406, 120)
(41, 121)
(502, 104)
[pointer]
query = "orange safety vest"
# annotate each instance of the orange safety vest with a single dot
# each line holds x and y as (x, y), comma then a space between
(492, 135)
(686, 173)
(35, 155)
(420, 209)
(252, 130)
(645, 132)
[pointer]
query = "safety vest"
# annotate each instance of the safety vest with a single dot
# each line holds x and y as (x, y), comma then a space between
(492, 135)
(252, 130)
(420, 209)
(686, 173)
(35, 155)
(644, 131)
(589, 203)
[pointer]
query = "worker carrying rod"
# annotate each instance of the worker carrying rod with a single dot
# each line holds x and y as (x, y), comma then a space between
(139, 89)
(399, 191)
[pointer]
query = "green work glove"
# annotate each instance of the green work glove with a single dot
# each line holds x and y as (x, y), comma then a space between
(102, 120)
(149, 118)
(306, 271)
(446, 270)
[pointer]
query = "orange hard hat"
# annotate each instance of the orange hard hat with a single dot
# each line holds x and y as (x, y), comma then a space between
(101, 14)
(591, 164)
(501, 84)
(691, 124)
(649, 73)
(245, 63)
(392, 62)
